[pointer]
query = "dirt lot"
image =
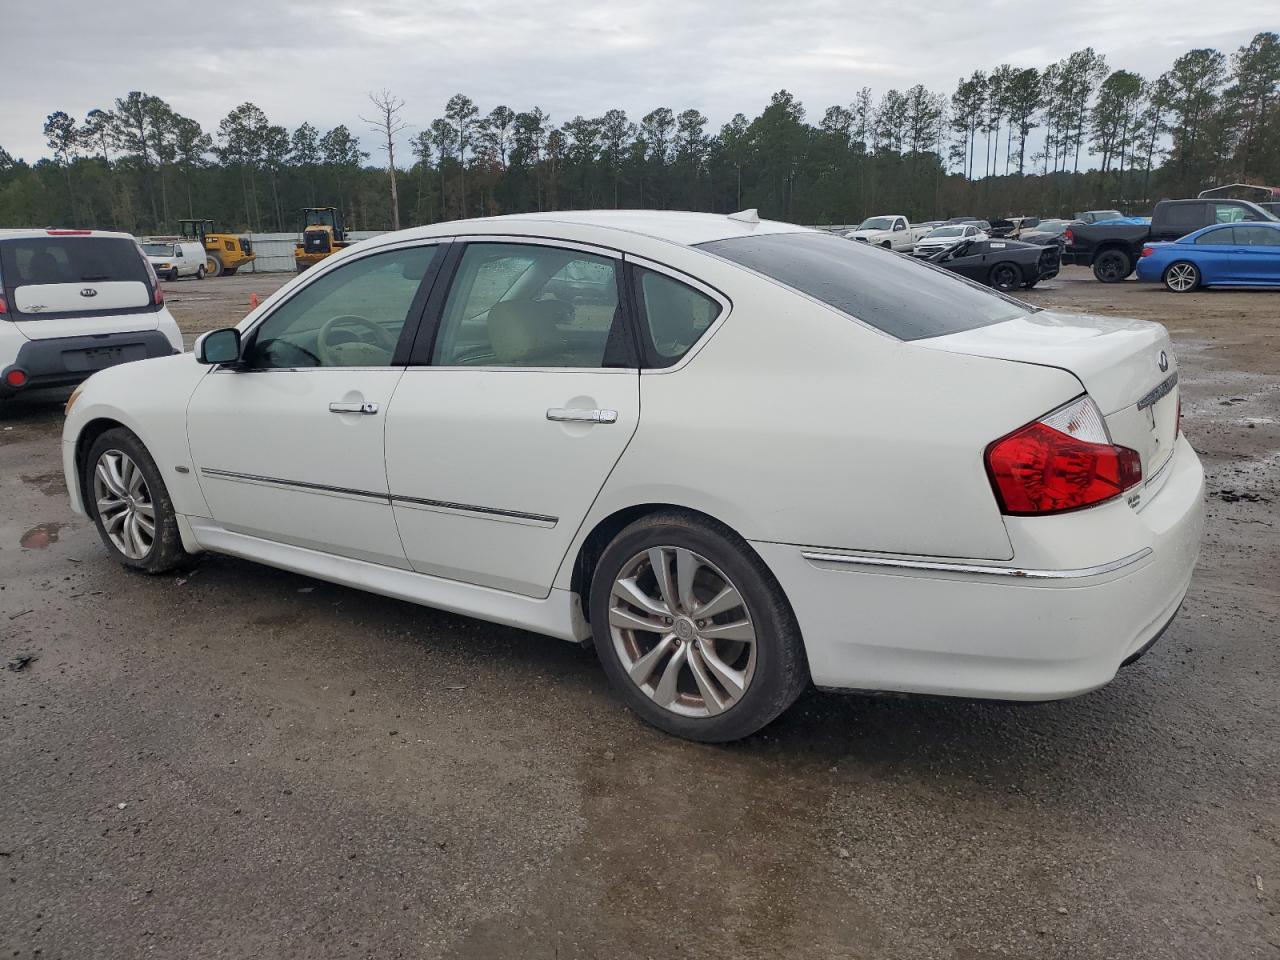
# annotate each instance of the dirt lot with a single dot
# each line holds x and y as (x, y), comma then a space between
(240, 762)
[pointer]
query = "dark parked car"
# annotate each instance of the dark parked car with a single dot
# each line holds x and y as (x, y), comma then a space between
(1003, 264)
(1112, 249)
(1044, 232)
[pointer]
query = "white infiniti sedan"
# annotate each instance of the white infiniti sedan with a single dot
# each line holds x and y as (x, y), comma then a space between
(737, 455)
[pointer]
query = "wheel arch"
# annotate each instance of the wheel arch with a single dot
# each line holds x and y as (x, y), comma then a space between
(602, 533)
(85, 439)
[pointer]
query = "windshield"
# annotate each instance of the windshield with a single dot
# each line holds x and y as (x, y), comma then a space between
(903, 297)
(945, 232)
(157, 249)
(876, 223)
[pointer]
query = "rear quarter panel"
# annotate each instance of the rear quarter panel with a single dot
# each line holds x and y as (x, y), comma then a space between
(795, 424)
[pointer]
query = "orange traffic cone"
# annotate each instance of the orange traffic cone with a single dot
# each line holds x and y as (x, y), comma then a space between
(253, 301)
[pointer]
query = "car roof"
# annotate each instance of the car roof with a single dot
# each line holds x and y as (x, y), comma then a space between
(28, 233)
(673, 226)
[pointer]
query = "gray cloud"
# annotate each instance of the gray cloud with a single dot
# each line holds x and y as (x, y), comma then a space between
(316, 61)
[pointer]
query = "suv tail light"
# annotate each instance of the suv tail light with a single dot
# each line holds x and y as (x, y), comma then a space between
(1071, 237)
(1148, 252)
(1063, 461)
(157, 295)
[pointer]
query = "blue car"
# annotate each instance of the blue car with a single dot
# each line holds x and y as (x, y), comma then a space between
(1225, 254)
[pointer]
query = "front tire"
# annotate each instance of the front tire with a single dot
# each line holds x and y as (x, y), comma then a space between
(693, 630)
(130, 505)
(213, 265)
(1112, 266)
(1182, 277)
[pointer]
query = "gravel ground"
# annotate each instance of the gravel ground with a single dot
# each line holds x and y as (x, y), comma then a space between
(235, 761)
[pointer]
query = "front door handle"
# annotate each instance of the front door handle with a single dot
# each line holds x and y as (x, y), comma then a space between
(581, 415)
(353, 406)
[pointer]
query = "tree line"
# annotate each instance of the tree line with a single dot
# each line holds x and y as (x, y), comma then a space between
(1008, 140)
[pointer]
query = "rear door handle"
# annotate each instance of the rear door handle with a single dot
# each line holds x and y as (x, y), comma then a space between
(353, 406)
(581, 415)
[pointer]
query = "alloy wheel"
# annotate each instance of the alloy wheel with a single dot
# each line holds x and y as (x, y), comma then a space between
(1181, 277)
(124, 504)
(682, 631)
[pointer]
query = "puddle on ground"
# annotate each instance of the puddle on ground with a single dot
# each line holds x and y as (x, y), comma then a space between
(40, 536)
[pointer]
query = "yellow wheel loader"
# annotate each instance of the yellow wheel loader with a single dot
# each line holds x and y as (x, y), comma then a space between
(224, 253)
(322, 235)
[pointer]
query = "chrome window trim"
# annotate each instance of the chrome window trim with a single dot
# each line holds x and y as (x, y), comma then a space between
(982, 569)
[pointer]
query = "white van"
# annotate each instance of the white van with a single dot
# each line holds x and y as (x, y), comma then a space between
(73, 302)
(172, 259)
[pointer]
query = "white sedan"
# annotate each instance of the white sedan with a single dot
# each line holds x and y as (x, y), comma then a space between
(739, 456)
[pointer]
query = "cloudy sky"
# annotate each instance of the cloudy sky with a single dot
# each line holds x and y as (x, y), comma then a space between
(317, 60)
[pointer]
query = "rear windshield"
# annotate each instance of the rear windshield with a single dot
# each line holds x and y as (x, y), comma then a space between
(901, 296)
(31, 261)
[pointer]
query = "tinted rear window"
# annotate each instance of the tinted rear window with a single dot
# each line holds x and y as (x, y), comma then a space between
(40, 260)
(903, 297)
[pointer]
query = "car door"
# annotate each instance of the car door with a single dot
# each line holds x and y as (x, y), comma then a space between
(288, 444)
(1257, 248)
(513, 412)
(1215, 257)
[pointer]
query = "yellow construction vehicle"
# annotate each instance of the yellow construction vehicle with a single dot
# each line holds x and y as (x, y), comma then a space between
(225, 253)
(322, 235)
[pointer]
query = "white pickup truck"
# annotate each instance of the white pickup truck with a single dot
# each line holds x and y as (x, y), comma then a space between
(894, 232)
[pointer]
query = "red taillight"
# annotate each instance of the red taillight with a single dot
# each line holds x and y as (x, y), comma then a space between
(16, 378)
(157, 297)
(4, 305)
(1061, 462)
(1071, 237)
(1148, 251)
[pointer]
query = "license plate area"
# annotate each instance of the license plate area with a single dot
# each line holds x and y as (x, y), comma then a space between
(98, 358)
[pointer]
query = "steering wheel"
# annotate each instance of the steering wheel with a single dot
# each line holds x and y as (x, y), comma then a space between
(357, 353)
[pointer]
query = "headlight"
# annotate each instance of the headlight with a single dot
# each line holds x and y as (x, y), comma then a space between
(164, 266)
(71, 400)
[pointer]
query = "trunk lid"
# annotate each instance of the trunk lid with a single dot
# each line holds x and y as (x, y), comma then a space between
(1126, 366)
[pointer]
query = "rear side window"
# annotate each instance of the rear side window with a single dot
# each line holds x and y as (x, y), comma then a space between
(675, 316)
(1229, 213)
(896, 294)
(68, 265)
(1216, 237)
(1182, 216)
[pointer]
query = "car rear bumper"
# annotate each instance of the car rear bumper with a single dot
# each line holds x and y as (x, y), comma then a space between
(947, 627)
(63, 361)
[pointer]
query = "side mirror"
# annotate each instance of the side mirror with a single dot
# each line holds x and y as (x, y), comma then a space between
(177, 251)
(218, 346)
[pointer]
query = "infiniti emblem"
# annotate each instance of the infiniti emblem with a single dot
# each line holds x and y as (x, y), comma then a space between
(1163, 362)
(90, 292)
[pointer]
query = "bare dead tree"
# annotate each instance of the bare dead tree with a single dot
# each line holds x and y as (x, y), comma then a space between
(387, 124)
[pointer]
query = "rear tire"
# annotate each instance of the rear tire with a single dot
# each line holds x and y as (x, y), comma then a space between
(130, 505)
(1182, 277)
(712, 678)
(1112, 266)
(229, 271)
(1005, 276)
(200, 272)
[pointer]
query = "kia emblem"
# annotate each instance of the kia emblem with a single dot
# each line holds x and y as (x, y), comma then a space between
(1163, 362)
(90, 292)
